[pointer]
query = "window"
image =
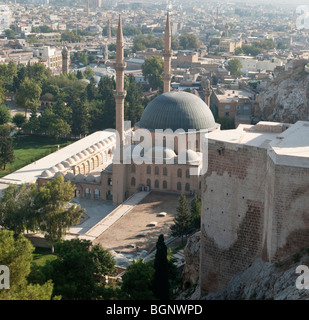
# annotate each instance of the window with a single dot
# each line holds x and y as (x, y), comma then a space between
(157, 184)
(156, 171)
(165, 171)
(179, 186)
(187, 187)
(227, 114)
(148, 183)
(188, 173)
(164, 184)
(109, 181)
(133, 181)
(133, 169)
(96, 193)
(179, 173)
(148, 169)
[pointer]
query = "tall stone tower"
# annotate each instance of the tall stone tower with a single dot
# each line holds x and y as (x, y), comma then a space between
(87, 7)
(207, 92)
(109, 31)
(65, 60)
(167, 54)
(119, 180)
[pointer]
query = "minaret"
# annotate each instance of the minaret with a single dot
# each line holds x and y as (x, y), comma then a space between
(207, 92)
(167, 54)
(119, 180)
(109, 31)
(87, 2)
(65, 60)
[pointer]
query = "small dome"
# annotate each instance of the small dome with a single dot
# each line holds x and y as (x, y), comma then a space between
(167, 153)
(85, 153)
(99, 145)
(80, 177)
(76, 158)
(70, 160)
(80, 156)
(189, 156)
(94, 148)
(90, 178)
(53, 169)
(66, 164)
(46, 174)
(69, 176)
(58, 174)
(60, 166)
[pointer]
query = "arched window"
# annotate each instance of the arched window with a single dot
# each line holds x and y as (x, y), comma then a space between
(188, 173)
(156, 171)
(148, 183)
(156, 183)
(87, 193)
(96, 193)
(179, 186)
(148, 169)
(165, 171)
(179, 173)
(133, 181)
(164, 184)
(187, 187)
(133, 169)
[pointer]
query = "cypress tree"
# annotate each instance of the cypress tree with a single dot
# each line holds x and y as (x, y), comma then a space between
(160, 281)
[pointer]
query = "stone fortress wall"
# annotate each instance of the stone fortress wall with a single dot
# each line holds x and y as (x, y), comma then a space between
(255, 201)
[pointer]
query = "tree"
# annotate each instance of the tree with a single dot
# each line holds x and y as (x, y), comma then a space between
(234, 66)
(195, 210)
(9, 33)
(16, 208)
(16, 254)
(182, 219)
(73, 272)
(6, 146)
(57, 214)
(88, 73)
(28, 95)
(5, 115)
(161, 276)
(137, 281)
(104, 262)
(189, 42)
(19, 119)
(152, 70)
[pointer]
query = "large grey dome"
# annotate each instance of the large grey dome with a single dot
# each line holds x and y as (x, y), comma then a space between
(177, 110)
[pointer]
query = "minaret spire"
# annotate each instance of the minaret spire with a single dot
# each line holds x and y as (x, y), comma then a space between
(167, 54)
(119, 179)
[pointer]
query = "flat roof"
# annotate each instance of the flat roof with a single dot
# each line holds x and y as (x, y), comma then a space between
(31, 172)
(288, 148)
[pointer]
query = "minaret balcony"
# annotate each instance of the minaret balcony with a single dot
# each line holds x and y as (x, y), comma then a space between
(120, 94)
(166, 76)
(120, 65)
(167, 53)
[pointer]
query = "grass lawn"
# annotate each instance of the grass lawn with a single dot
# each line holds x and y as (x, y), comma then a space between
(29, 148)
(42, 255)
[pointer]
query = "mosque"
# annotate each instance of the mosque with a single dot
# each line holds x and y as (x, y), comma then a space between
(255, 191)
(181, 117)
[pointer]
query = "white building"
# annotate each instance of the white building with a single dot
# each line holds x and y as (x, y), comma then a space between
(5, 17)
(51, 56)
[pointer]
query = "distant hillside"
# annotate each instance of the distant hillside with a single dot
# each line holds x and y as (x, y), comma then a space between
(286, 99)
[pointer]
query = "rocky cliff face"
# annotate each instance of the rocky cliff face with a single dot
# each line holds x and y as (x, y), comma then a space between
(285, 99)
(192, 258)
(262, 280)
